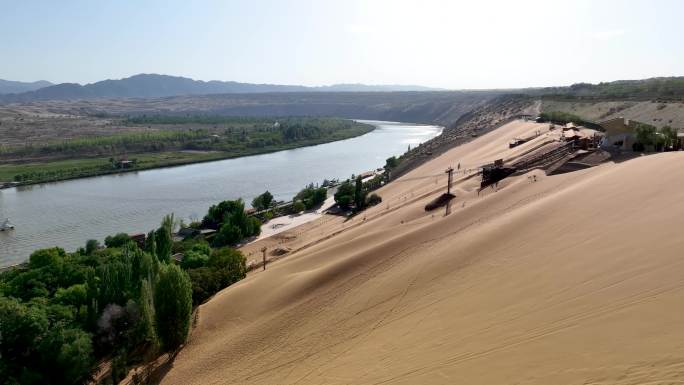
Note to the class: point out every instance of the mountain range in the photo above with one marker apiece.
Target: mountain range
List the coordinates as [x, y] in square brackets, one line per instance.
[154, 85]
[13, 87]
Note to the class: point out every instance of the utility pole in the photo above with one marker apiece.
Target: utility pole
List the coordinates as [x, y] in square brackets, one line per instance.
[449, 171]
[263, 254]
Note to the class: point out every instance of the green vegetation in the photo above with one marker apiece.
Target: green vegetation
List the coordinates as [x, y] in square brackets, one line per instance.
[227, 138]
[80, 168]
[659, 139]
[670, 88]
[263, 201]
[356, 196]
[344, 197]
[63, 312]
[173, 301]
[391, 162]
[232, 223]
[298, 207]
[310, 197]
[374, 199]
[223, 268]
[117, 240]
[560, 117]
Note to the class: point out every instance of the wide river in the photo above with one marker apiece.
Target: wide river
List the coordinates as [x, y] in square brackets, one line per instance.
[68, 213]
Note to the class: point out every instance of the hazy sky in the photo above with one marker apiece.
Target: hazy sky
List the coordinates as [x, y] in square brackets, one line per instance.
[451, 44]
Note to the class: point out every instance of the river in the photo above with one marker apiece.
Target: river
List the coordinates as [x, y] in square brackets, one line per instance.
[68, 213]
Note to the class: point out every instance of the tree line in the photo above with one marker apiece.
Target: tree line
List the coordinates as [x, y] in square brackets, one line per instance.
[262, 133]
[125, 302]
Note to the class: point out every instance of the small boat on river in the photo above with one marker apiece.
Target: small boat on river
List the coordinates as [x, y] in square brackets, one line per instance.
[6, 225]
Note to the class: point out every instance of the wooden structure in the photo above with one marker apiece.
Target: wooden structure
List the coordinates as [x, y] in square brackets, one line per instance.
[494, 172]
[139, 239]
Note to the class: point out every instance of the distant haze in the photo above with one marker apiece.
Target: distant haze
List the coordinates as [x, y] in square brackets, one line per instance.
[444, 44]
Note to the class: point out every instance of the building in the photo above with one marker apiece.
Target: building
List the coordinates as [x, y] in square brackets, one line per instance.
[620, 133]
[569, 126]
[185, 232]
[139, 239]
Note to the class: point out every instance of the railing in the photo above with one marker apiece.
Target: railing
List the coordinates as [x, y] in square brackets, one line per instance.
[543, 159]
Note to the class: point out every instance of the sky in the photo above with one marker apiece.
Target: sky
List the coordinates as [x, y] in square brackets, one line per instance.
[447, 44]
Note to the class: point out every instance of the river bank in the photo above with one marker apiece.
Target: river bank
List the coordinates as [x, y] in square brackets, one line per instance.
[69, 169]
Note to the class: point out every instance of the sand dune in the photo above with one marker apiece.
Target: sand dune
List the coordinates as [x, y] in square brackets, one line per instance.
[573, 279]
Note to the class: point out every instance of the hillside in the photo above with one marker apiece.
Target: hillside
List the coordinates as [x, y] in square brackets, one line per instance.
[12, 87]
[45, 121]
[154, 85]
[544, 282]
[655, 113]
[665, 88]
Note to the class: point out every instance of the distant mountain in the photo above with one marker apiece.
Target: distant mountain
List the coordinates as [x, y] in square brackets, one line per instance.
[372, 88]
[153, 85]
[12, 87]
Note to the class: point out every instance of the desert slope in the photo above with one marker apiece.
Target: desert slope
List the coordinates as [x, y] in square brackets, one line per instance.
[575, 278]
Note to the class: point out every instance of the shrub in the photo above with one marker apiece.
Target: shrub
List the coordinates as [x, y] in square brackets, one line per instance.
[46, 257]
[91, 246]
[345, 194]
[228, 235]
[224, 267]
[263, 201]
[231, 263]
[205, 283]
[298, 206]
[374, 199]
[230, 219]
[391, 163]
[117, 240]
[312, 196]
[193, 259]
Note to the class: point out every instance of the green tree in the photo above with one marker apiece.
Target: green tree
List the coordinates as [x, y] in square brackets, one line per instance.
[255, 225]
[298, 206]
[359, 195]
[169, 223]
[646, 134]
[193, 259]
[312, 196]
[229, 234]
[91, 246]
[67, 354]
[116, 282]
[374, 199]
[147, 329]
[173, 306]
[46, 257]
[117, 240]
[22, 328]
[164, 244]
[345, 194]
[263, 201]
[391, 163]
[74, 295]
[669, 136]
[231, 264]
[205, 283]
[151, 243]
